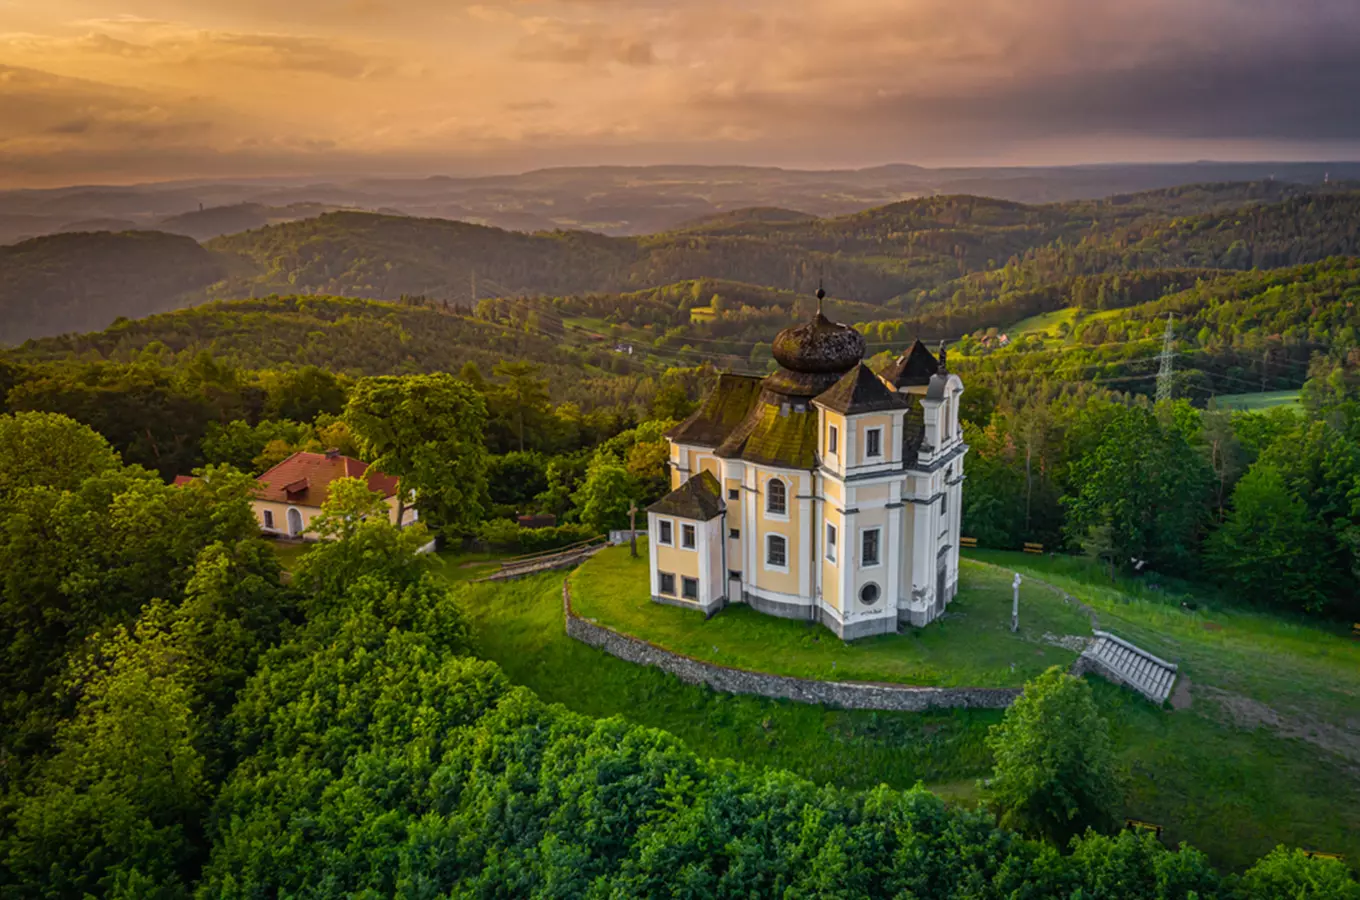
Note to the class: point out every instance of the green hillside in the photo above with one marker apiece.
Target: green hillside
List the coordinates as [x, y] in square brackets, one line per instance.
[83, 281]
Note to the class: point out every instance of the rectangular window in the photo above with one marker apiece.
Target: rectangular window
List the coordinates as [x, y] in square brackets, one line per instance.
[869, 547]
[268, 518]
[733, 533]
[664, 532]
[665, 583]
[687, 537]
[734, 493]
[776, 551]
[830, 542]
[873, 442]
[833, 440]
[691, 588]
[944, 500]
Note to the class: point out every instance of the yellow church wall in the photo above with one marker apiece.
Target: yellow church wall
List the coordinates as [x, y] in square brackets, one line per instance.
[675, 560]
[790, 527]
[863, 424]
[831, 571]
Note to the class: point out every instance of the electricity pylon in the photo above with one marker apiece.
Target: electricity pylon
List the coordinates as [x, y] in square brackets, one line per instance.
[1165, 373]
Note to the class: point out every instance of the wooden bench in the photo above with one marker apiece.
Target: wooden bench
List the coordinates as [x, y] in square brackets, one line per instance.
[1136, 825]
[972, 542]
[1318, 854]
[1033, 548]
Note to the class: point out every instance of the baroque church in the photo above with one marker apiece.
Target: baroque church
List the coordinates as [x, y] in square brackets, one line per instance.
[824, 491]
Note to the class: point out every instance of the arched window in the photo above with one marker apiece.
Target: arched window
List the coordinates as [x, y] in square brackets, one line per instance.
[777, 498]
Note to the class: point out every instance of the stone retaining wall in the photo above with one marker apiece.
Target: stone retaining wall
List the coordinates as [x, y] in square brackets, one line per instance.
[847, 695]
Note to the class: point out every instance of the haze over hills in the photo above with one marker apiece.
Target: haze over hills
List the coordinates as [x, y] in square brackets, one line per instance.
[979, 261]
[620, 200]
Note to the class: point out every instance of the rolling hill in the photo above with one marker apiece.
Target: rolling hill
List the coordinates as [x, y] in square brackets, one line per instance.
[84, 281]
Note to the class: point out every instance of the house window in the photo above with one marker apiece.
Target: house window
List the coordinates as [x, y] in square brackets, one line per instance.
[664, 532]
[777, 498]
[690, 586]
[269, 519]
[665, 583]
[869, 555]
[833, 439]
[734, 493]
[776, 551]
[734, 533]
[873, 442]
[868, 595]
[687, 537]
[830, 542]
[944, 497]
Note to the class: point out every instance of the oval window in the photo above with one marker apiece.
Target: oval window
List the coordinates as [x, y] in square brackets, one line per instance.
[868, 595]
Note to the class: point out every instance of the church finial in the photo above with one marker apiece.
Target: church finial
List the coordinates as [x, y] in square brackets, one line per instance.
[821, 295]
[944, 365]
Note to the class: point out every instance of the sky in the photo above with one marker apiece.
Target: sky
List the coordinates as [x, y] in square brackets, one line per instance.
[113, 91]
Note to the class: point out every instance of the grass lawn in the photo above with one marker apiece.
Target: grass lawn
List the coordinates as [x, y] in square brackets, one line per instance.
[1256, 401]
[972, 646]
[1226, 786]
[519, 625]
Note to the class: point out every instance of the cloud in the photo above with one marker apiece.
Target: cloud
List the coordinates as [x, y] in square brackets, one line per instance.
[582, 45]
[813, 82]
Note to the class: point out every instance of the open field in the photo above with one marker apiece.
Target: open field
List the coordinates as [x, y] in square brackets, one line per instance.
[1208, 772]
[971, 647]
[1044, 323]
[1256, 401]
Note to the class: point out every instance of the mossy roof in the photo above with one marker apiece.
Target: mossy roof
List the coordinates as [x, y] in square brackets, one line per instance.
[722, 411]
[699, 498]
[860, 391]
[774, 434]
[913, 367]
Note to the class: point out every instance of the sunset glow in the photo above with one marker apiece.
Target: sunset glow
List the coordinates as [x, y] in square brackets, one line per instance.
[155, 89]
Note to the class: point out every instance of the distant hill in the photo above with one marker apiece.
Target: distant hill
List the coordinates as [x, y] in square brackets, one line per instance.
[83, 281]
[205, 224]
[739, 220]
[344, 335]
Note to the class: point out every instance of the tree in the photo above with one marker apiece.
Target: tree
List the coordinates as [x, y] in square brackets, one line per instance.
[50, 450]
[428, 431]
[523, 394]
[1286, 874]
[349, 503]
[1055, 773]
[1270, 546]
[303, 394]
[115, 806]
[607, 493]
[1143, 486]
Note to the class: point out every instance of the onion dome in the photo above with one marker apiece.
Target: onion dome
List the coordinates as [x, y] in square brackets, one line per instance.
[819, 347]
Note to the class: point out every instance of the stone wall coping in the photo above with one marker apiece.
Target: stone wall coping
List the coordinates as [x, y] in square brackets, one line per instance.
[844, 694]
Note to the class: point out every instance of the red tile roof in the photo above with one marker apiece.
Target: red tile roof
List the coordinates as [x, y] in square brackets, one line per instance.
[303, 478]
[181, 480]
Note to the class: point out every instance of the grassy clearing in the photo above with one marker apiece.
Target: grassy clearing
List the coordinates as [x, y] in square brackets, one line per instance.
[519, 625]
[1295, 665]
[1045, 324]
[972, 646]
[1257, 401]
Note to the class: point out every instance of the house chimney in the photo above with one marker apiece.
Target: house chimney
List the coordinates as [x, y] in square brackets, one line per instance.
[333, 453]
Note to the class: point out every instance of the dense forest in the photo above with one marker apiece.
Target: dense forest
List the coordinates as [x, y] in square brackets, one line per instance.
[181, 717]
[989, 262]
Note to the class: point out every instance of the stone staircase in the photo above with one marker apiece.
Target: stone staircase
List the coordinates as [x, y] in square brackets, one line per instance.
[1124, 663]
